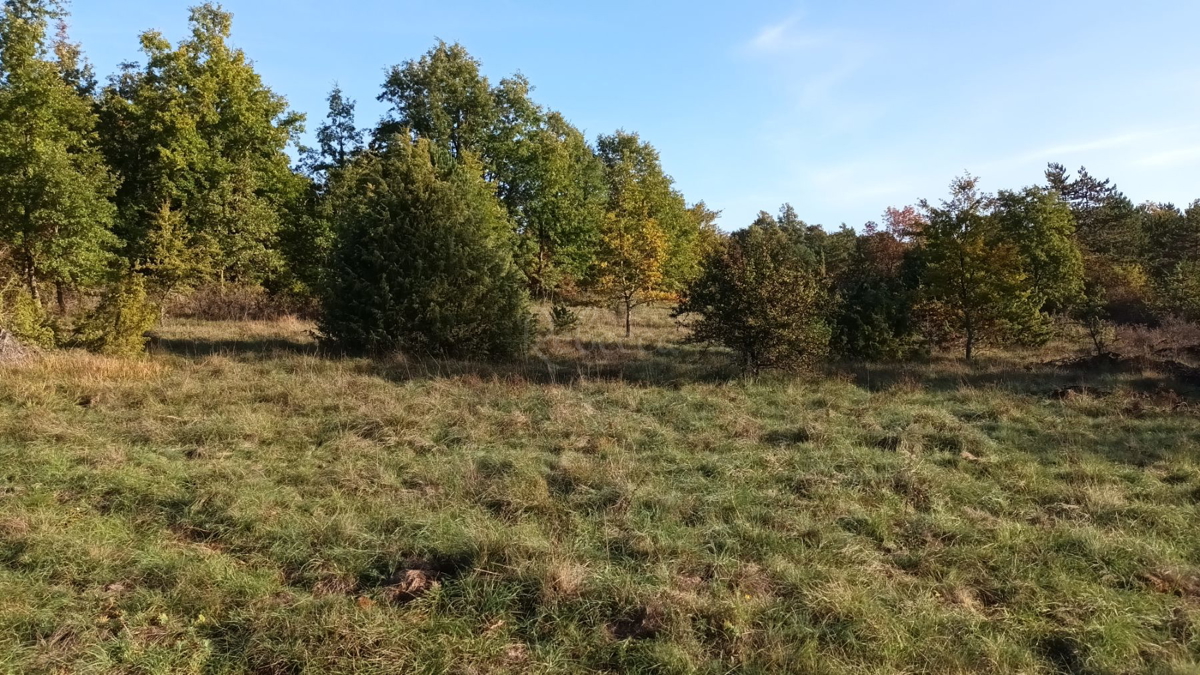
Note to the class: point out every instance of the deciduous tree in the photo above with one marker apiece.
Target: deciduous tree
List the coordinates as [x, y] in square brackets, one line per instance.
[54, 186]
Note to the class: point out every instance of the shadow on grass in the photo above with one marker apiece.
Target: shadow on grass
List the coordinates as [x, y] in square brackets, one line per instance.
[565, 363]
[1031, 379]
[673, 370]
[245, 349]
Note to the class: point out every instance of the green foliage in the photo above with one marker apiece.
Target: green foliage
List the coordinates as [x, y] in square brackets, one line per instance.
[975, 270]
[1091, 312]
[759, 298]
[1172, 238]
[1107, 222]
[1040, 224]
[443, 98]
[874, 315]
[1181, 291]
[545, 173]
[563, 319]
[25, 318]
[119, 323]
[638, 189]
[196, 129]
[423, 261]
[554, 188]
[54, 187]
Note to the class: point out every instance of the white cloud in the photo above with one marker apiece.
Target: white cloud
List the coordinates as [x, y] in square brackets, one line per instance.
[786, 36]
[1171, 157]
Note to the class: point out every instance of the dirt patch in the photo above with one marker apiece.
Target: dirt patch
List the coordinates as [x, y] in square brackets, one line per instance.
[1172, 582]
[642, 623]
[417, 577]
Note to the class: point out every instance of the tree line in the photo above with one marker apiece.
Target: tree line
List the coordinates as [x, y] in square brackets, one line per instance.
[434, 229]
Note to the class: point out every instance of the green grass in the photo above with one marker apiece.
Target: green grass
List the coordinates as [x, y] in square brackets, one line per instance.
[239, 503]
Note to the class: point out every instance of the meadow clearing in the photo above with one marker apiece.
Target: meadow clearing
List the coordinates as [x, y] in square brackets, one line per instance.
[238, 502]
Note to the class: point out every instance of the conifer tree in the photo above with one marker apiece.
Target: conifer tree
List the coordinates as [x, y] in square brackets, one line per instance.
[423, 261]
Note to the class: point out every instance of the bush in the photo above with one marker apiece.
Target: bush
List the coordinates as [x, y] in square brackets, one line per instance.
[1180, 294]
[26, 319]
[238, 303]
[118, 325]
[562, 319]
[760, 298]
[423, 261]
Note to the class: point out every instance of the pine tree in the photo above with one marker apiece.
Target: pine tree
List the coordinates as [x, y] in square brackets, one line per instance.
[54, 186]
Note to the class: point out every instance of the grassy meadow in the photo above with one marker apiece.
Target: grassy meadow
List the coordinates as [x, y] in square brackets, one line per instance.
[237, 502]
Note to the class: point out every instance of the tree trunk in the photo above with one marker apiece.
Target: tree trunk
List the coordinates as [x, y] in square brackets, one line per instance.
[970, 343]
[60, 294]
[31, 282]
[628, 318]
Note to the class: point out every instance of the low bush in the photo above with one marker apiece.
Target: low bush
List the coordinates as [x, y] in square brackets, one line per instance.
[119, 323]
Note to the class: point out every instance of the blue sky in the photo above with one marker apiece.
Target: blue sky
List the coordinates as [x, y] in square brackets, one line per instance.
[841, 108]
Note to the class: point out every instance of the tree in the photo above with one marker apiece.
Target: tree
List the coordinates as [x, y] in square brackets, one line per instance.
[758, 297]
[54, 186]
[710, 238]
[1172, 237]
[338, 139]
[423, 261]
[117, 326]
[553, 186]
[1107, 223]
[632, 256]
[637, 184]
[546, 174]
[972, 270]
[197, 129]
[1040, 224]
[306, 230]
[873, 316]
[441, 97]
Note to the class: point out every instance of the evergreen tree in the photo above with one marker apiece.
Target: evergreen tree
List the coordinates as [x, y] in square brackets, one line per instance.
[1107, 222]
[54, 186]
[423, 261]
[339, 140]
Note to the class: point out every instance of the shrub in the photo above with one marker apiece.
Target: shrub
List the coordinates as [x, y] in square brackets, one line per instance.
[1180, 294]
[874, 317]
[26, 319]
[423, 261]
[118, 325]
[760, 298]
[238, 302]
[562, 319]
